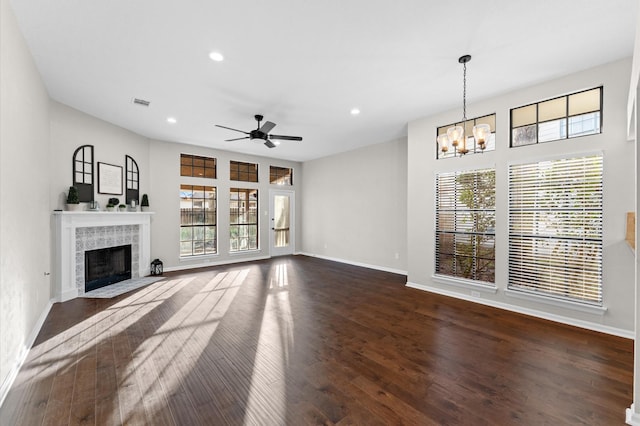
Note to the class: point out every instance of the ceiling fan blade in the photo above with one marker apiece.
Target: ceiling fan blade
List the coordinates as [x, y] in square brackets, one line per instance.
[230, 128]
[236, 139]
[267, 126]
[269, 144]
[286, 138]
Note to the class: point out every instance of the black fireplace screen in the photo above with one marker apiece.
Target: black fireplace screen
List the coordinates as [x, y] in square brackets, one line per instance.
[106, 266]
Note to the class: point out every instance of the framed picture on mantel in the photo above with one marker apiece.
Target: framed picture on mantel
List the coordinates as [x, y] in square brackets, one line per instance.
[109, 179]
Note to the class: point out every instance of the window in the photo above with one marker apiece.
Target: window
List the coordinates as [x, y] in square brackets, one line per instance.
[565, 117]
[245, 172]
[555, 228]
[465, 224]
[83, 172]
[243, 219]
[193, 165]
[451, 151]
[133, 180]
[198, 234]
[280, 175]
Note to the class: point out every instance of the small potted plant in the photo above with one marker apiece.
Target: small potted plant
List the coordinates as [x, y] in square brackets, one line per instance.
[73, 201]
[122, 207]
[112, 204]
[144, 205]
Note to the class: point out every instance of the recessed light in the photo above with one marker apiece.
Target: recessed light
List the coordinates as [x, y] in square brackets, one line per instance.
[355, 111]
[216, 56]
[172, 120]
[276, 143]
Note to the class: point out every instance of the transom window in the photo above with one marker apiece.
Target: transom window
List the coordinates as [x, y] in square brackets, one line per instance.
[471, 144]
[83, 172]
[196, 166]
[243, 219]
[245, 172]
[555, 228]
[465, 224]
[198, 235]
[569, 116]
[280, 175]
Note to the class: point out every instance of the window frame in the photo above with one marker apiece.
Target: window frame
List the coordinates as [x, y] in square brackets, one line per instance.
[208, 223]
[459, 212]
[282, 176]
[242, 221]
[528, 265]
[194, 163]
[243, 169]
[567, 117]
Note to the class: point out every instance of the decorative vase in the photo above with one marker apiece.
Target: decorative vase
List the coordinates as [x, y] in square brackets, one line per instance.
[74, 207]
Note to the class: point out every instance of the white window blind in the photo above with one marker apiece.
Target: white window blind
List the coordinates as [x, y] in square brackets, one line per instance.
[555, 228]
[465, 224]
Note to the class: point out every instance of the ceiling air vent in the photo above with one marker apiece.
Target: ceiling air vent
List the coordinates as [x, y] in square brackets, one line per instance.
[141, 102]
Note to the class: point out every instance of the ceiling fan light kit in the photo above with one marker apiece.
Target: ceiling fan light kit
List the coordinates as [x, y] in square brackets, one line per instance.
[261, 133]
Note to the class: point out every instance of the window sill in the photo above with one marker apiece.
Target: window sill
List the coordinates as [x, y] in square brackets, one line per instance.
[198, 257]
[567, 304]
[465, 283]
[241, 252]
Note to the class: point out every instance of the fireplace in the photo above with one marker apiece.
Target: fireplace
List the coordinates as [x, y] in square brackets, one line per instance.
[106, 266]
[78, 232]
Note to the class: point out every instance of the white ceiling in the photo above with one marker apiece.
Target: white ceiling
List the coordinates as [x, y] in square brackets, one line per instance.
[304, 65]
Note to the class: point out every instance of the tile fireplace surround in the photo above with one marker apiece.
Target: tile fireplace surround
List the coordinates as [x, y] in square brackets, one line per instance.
[75, 232]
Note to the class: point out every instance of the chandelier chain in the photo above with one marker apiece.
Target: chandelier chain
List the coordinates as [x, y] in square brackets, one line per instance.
[464, 92]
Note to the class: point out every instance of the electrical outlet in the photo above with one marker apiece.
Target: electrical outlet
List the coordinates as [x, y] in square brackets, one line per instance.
[397, 256]
[475, 293]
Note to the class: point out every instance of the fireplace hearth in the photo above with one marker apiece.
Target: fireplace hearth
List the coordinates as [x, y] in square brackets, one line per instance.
[106, 266]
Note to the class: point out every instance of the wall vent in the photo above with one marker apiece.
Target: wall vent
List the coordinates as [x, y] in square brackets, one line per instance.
[141, 102]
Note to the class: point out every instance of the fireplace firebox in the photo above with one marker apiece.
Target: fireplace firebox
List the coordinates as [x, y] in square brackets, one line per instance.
[106, 266]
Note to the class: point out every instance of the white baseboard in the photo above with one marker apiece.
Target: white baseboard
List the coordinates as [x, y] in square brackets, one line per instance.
[350, 262]
[24, 351]
[632, 418]
[531, 312]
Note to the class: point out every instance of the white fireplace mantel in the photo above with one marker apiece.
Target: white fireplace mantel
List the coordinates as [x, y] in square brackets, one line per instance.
[65, 225]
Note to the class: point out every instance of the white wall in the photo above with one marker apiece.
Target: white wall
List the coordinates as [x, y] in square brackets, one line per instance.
[165, 202]
[24, 198]
[354, 206]
[619, 190]
[71, 129]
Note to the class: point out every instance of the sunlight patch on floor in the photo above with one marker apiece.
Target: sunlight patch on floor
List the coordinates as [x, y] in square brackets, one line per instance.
[176, 346]
[267, 392]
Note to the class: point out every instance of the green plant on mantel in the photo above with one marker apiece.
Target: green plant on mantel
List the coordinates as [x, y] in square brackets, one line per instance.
[72, 196]
[113, 202]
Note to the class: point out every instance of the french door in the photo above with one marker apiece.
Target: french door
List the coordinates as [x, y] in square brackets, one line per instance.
[282, 222]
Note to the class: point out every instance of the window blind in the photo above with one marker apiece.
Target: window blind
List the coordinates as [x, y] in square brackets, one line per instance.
[465, 224]
[555, 228]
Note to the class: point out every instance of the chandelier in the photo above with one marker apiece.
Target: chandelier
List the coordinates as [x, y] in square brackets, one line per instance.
[455, 135]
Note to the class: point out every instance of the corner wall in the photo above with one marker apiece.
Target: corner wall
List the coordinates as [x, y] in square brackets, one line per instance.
[355, 206]
[24, 199]
[618, 260]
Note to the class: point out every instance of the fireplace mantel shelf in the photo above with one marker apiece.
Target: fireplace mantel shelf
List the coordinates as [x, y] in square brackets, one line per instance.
[64, 227]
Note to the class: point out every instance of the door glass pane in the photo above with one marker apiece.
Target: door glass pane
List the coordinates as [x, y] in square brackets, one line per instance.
[281, 220]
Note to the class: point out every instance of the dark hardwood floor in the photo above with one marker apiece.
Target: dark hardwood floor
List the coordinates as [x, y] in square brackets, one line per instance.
[299, 340]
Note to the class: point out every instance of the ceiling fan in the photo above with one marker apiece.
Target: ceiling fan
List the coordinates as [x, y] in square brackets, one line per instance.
[262, 133]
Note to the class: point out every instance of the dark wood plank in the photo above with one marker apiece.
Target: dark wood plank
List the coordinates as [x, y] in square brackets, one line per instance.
[299, 340]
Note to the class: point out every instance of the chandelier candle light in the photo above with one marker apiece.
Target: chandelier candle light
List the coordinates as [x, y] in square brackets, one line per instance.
[455, 135]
